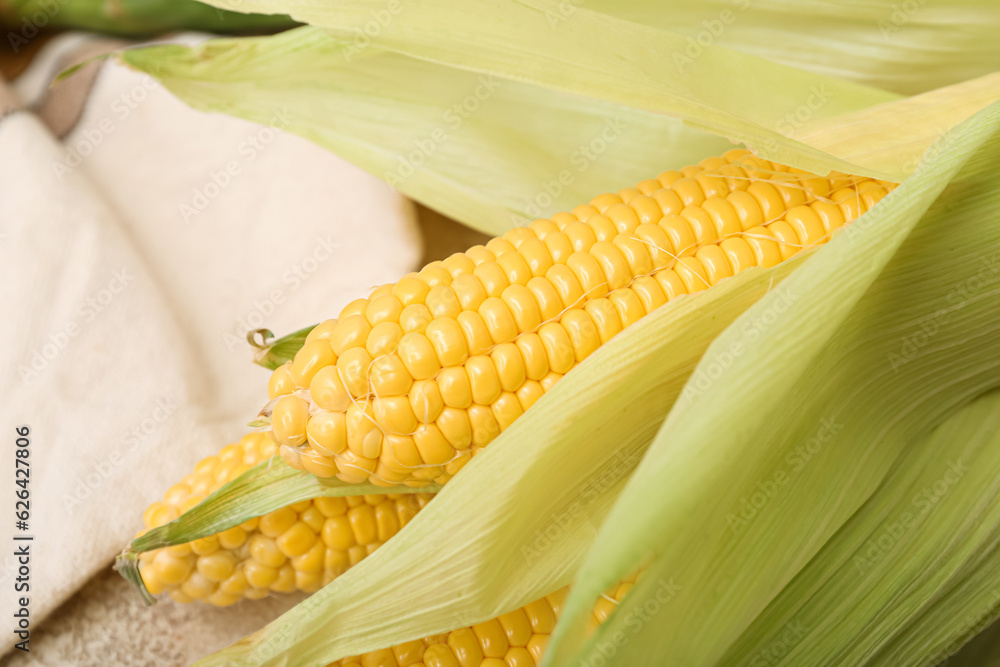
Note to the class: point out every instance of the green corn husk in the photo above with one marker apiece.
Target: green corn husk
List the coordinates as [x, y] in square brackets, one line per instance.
[527, 150]
[832, 333]
[130, 18]
[905, 47]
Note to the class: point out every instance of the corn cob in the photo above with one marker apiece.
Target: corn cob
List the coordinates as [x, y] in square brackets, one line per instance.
[299, 547]
[515, 639]
[407, 384]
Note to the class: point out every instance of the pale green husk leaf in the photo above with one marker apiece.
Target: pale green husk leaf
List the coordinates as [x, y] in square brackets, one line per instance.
[879, 337]
[490, 152]
[914, 573]
[494, 151]
[604, 58]
[906, 46]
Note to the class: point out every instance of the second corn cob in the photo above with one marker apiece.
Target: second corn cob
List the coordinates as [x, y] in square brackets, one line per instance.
[299, 547]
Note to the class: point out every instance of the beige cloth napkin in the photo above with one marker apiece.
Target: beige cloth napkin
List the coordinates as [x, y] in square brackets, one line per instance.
[139, 240]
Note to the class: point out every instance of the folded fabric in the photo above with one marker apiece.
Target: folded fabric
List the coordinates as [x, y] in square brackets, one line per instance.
[139, 242]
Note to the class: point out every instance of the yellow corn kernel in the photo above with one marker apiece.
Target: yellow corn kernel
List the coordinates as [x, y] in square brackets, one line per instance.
[288, 420]
[418, 356]
[217, 566]
[281, 382]
[297, 540]
[356, 307]
[285, 581]
[352, 367]
[498, 320]
[323, 330]
[337, 533]
[382, 308]
[327, 432]
[492, 638]
[442, 301]
[483, 379]
[350, 332]
[465, 645]
[205, 546]
[522, 307]
[432, 445]
[426, 401]
[535, 255]
[389, 376]
[448, 342]
[197, 586]
[308, 360]
[321, 466]
[529, 393]
[400, 453]
[455, 427]
[353, 468]
[383, 338]
[514, 267]
[311, 560]
[171, 570]
[455, 388]
[235, 584]
[264, 551]
[536, 647]
[275, 523]
[477, 335]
